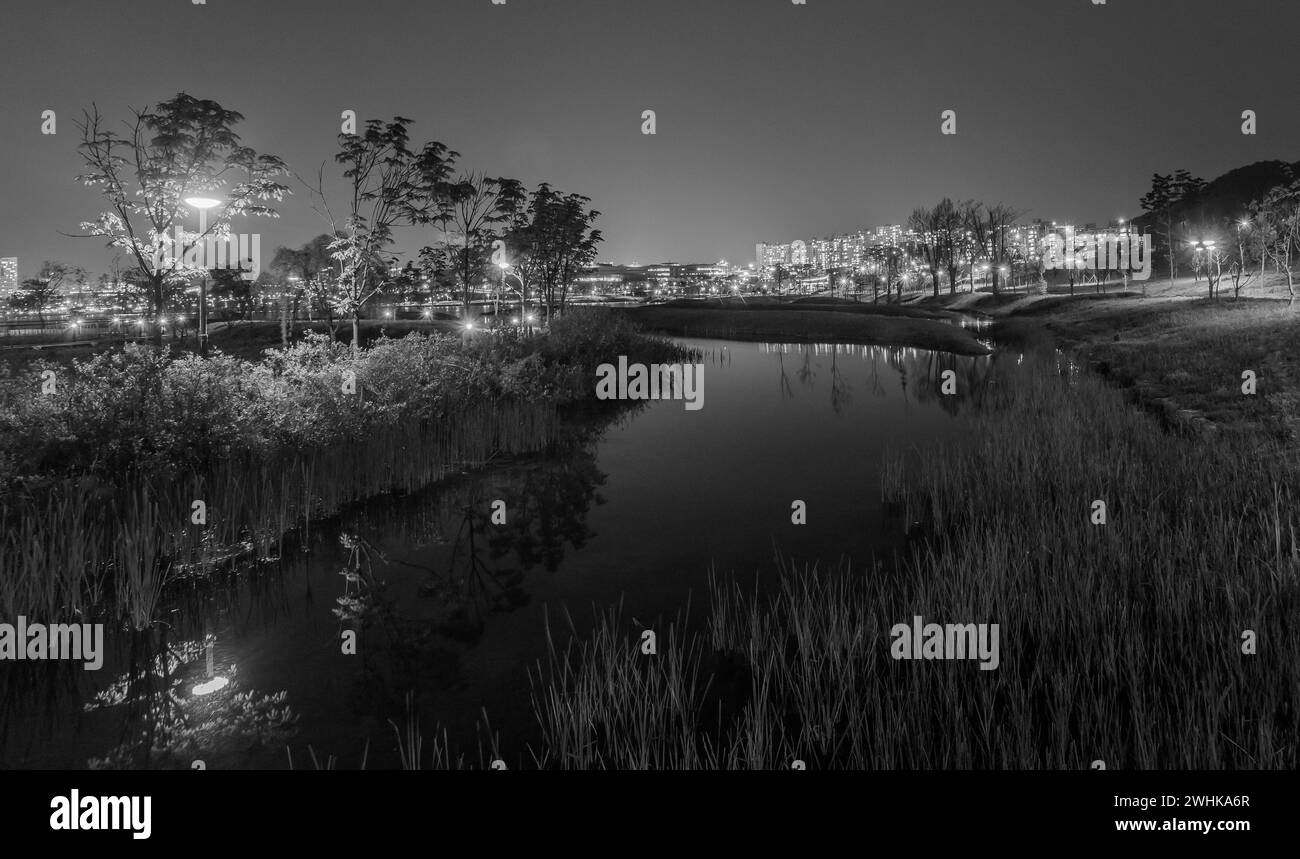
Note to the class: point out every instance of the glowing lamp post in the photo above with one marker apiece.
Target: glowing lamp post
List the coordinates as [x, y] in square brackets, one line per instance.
[203, 204]
[496, 309]
[523, 302]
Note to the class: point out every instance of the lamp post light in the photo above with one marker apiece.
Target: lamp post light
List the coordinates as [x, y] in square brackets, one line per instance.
[203, 204]
[523, 301]
[501, 285]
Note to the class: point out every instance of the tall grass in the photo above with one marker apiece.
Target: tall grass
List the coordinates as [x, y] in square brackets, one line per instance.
[1119, 642]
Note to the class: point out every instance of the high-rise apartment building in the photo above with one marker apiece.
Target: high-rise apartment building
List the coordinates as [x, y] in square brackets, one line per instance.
[8, 278]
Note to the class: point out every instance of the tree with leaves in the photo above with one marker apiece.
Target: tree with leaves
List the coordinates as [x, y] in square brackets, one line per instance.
[385, 182]
[477, 206]
[229, 285]
[307, 268]
[184, 147]
[578, 241]
[1170, 195]
[552, 239]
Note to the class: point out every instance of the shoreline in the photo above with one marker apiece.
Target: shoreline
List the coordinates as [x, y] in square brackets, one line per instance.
[820, 325]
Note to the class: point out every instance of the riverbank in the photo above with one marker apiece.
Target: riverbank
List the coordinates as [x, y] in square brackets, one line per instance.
[811, 321]
[1178, 354]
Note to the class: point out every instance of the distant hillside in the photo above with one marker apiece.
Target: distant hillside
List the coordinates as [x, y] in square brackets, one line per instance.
[1229, 195]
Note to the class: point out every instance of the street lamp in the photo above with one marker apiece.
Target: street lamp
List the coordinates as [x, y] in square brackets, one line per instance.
[523, 301]
[203, 204]
[496, 305]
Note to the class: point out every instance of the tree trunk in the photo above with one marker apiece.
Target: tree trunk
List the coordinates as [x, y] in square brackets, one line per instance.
[157, 335]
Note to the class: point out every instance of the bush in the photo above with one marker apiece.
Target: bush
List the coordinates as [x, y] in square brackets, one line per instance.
[141, 409]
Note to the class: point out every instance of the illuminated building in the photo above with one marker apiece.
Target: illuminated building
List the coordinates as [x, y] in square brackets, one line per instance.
[8, 277]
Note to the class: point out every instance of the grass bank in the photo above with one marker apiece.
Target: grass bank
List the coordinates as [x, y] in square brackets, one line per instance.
[1179, 354]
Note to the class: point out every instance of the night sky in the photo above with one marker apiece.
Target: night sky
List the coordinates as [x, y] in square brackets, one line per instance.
[775, 121]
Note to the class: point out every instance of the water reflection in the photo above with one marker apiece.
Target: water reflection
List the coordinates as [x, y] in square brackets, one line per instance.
[162, 725]
[920, 372]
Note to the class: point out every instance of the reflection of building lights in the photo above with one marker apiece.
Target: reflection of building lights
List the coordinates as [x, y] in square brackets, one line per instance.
[216, 684]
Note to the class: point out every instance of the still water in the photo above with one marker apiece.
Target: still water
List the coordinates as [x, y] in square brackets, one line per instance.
[453, 609]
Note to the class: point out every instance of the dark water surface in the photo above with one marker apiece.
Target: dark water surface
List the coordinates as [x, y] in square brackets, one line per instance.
[638, 510]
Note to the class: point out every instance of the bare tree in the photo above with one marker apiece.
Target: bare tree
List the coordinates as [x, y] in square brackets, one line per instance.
[1278, 215]
[927, 225]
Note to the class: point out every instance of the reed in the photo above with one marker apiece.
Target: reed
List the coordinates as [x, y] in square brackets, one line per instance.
[1120, 642]
[64, 543]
